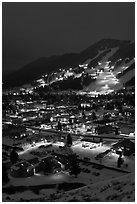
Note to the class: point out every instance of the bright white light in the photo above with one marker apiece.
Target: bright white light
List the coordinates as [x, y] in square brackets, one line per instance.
[51, 119]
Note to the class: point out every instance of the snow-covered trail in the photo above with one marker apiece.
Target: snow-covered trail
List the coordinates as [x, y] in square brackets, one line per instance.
[106, 82]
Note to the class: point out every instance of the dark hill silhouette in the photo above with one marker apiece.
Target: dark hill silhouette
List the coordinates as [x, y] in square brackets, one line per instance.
[45, 65]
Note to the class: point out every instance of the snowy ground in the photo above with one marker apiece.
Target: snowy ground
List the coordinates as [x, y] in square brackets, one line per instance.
[92, 179]
[107, 81]
[91, 151]
[39, 179]
[113, 189]
[121, 189]
[94, 176]
[109, 160]
[86, 178]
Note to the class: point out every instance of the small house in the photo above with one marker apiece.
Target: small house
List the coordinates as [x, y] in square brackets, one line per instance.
[49, 165]
[22, 170]
[125, 146]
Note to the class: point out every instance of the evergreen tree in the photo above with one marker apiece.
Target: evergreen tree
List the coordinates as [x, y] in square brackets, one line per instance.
[94, 117]
[116, 131]
[74, 168]
[70, 121]
[119, 161]
[46, 166]
[69, 140]
[5, 178]
[14, 157]
[83, 114]
[59, 126]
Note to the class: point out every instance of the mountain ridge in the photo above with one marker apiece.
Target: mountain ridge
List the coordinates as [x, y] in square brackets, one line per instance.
[46, 65]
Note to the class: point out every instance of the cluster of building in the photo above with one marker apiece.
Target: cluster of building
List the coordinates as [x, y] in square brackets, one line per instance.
[30, 118]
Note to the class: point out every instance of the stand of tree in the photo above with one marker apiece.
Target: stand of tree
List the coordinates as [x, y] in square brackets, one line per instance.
[69, 140]
[74, 168]
[5, 178]
[14, 157]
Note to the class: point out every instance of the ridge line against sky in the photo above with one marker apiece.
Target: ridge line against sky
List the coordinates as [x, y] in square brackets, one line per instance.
[33, 30]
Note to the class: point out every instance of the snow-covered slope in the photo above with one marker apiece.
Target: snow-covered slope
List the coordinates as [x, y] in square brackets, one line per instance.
[102, 73]
[106, 75]
[98, 69]
[121, 189]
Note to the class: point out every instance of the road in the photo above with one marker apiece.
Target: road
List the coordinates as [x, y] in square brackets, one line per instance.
[103, 136]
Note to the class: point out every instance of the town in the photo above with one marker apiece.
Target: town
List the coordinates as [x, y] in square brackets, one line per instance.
[68, 101]
[45, 134]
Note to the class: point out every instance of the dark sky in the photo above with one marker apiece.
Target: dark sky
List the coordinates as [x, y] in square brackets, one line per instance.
[33, 30]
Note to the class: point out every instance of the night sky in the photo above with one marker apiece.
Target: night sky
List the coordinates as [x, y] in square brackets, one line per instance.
[33, 30]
